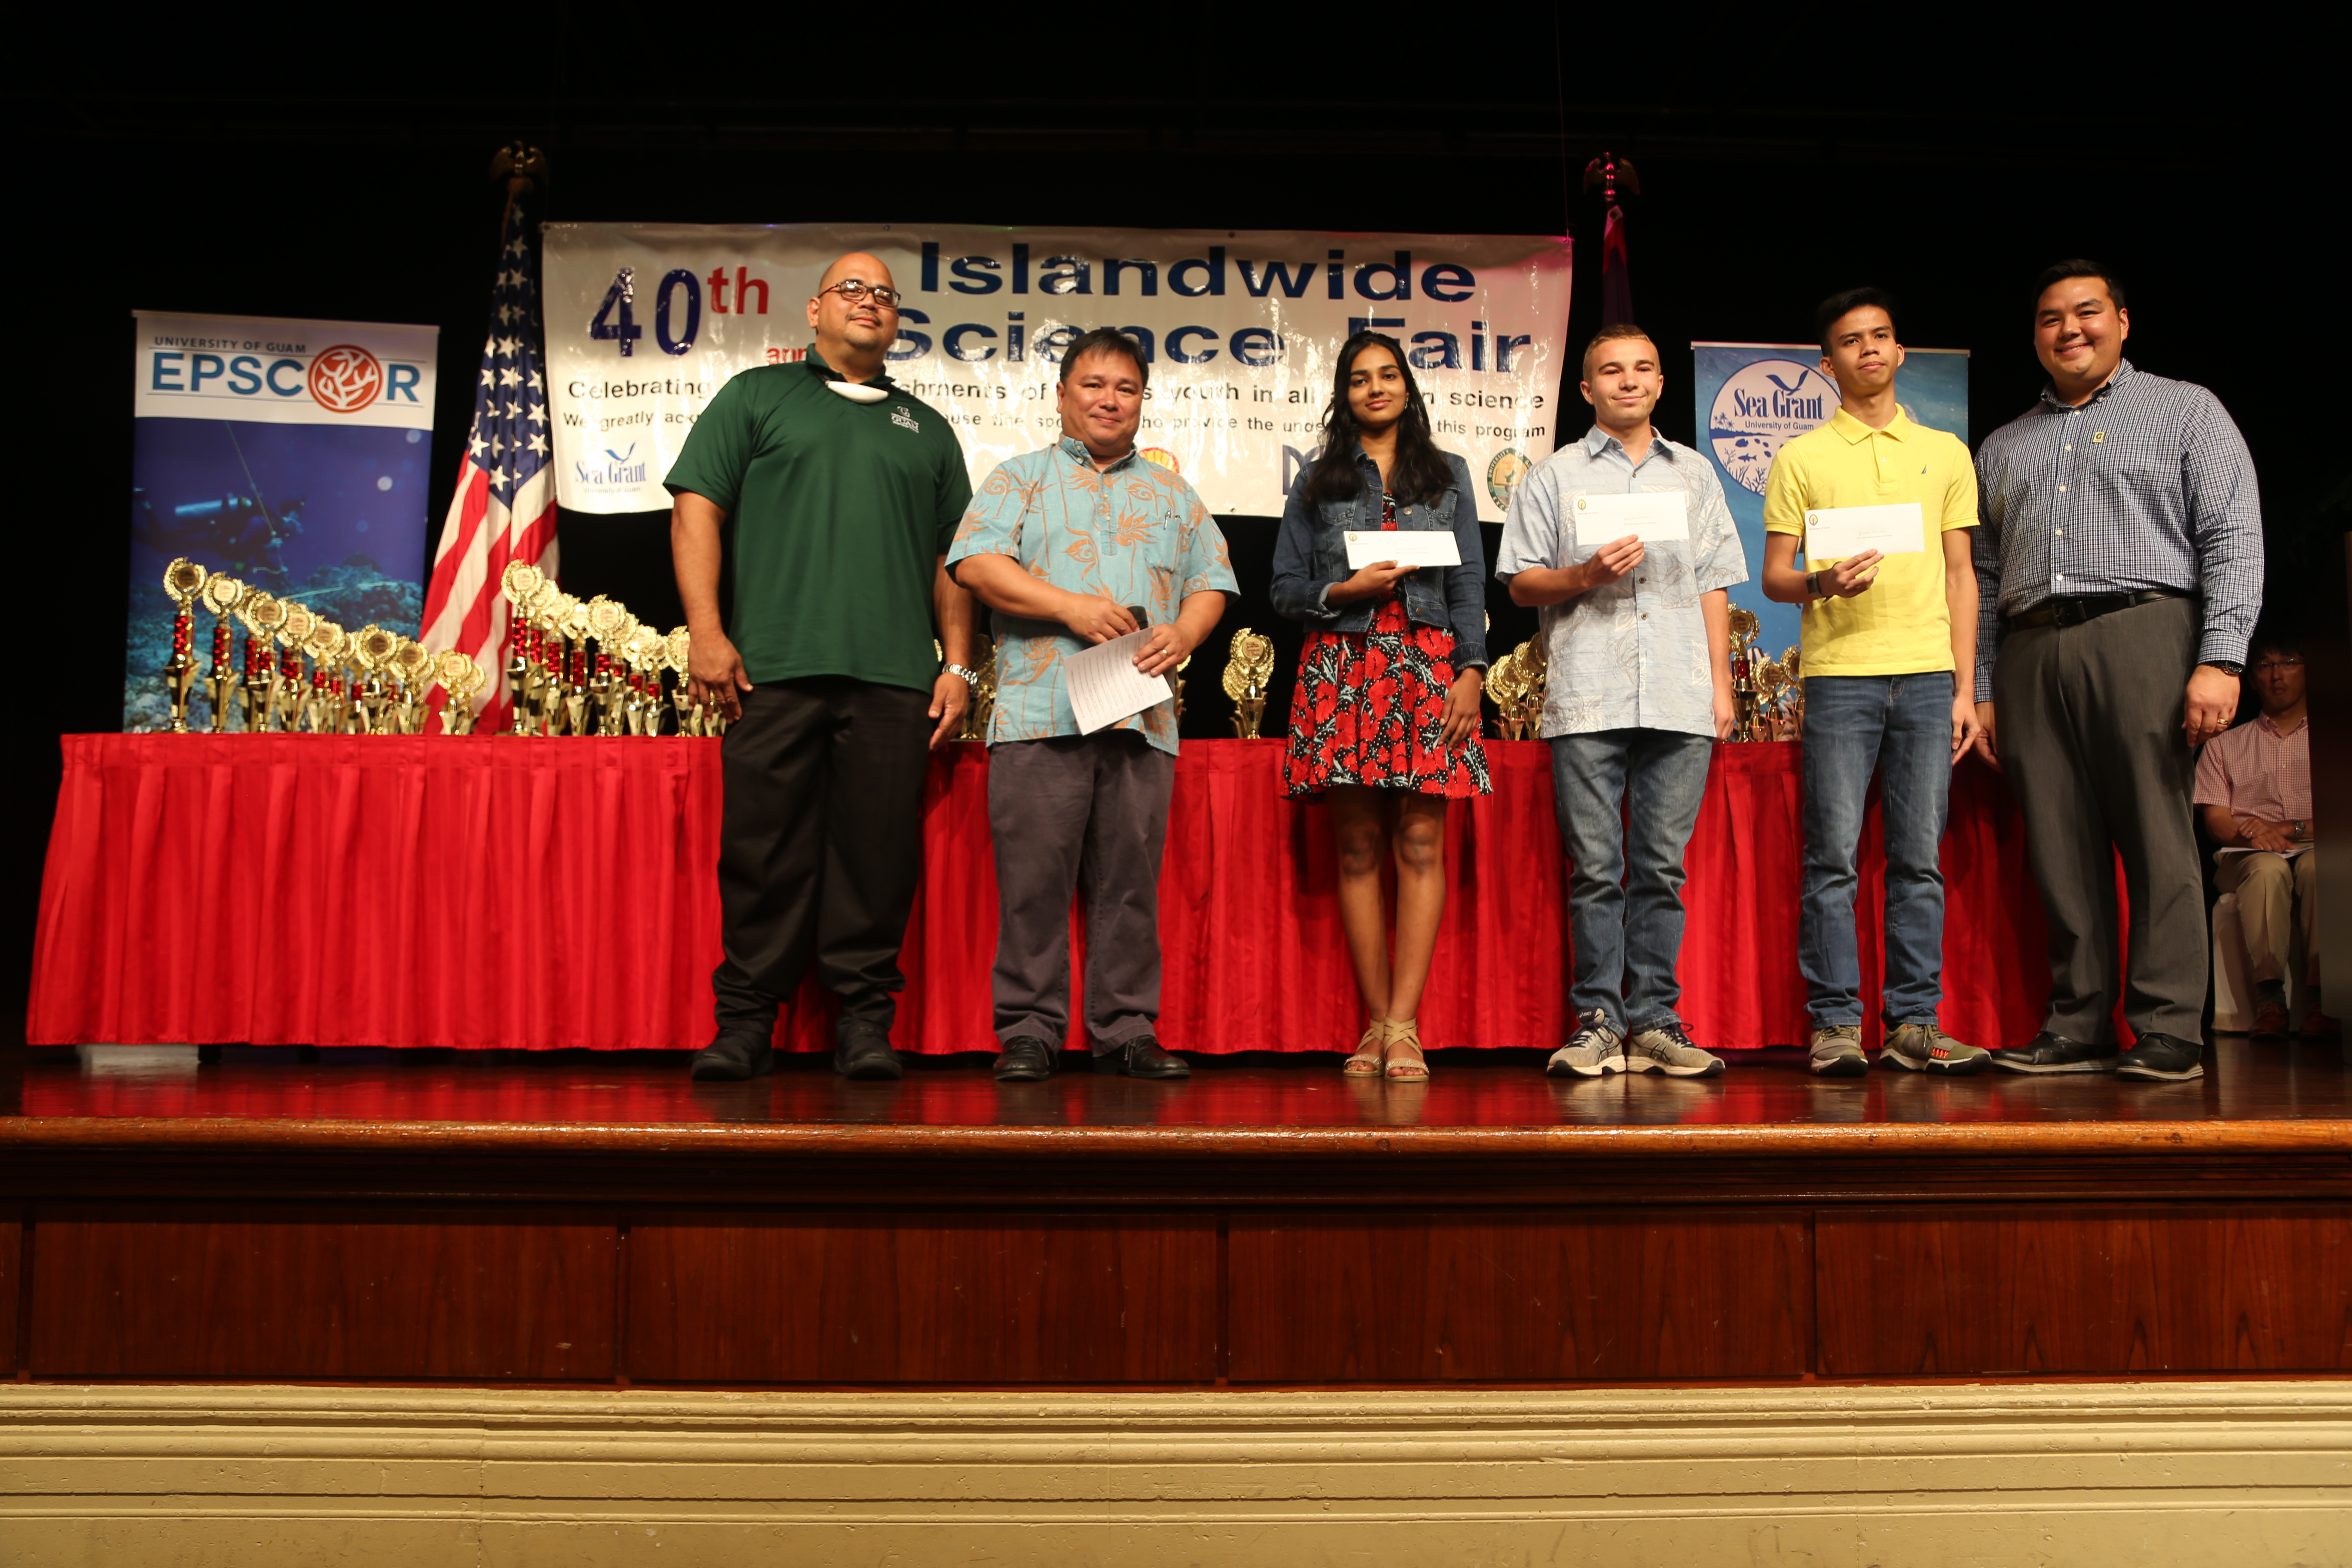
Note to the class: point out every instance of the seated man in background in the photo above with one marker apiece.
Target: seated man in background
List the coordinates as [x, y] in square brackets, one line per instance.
[2253, 788]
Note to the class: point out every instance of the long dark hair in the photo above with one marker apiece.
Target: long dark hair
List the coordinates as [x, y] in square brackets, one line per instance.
[1419, 472]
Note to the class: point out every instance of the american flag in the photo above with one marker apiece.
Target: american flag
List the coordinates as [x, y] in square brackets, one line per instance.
[505, 506]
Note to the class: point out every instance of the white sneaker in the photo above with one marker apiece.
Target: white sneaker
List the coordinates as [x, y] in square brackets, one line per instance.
[1668, 1050]
[1595, 1048]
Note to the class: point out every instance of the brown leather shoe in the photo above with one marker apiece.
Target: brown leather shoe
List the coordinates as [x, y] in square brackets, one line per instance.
[2318, 1026]
[2270, 1020]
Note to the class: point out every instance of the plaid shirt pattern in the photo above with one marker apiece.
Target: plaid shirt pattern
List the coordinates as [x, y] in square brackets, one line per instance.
[2149, 485]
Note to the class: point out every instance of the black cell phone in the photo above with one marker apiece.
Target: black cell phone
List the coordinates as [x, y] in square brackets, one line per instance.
[1143, 616]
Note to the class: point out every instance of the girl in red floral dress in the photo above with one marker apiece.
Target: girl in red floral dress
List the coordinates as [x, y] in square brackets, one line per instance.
[1384, 720]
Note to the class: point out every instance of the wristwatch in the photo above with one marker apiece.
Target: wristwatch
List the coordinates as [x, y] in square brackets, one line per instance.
[971, 677]
[1813, 584]
[2226, 665]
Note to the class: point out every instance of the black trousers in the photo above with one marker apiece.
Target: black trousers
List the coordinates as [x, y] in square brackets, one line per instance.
[819, 846]
[2090, 732]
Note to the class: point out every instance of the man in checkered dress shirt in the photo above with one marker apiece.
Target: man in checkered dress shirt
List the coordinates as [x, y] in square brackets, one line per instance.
[2120, 565]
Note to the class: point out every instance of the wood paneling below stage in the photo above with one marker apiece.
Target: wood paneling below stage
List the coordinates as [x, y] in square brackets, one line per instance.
[865, 1298]
[1156, 1298]
[1562, 1297]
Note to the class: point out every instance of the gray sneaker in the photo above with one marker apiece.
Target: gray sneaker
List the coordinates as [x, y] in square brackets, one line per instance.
[1668, 1050]
[1595, 1048]
[1923, 1047]
[1837, 1052]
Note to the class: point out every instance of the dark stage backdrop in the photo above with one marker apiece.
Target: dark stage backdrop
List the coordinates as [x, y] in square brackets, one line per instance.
[200, 173]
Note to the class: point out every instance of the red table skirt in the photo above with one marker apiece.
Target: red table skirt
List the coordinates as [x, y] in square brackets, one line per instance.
[489, 891]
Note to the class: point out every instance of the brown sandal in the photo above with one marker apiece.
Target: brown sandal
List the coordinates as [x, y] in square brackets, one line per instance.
[1366, 1062]
[1403, 1035]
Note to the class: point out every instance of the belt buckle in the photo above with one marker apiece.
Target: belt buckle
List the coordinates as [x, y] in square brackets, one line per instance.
[2067, 613]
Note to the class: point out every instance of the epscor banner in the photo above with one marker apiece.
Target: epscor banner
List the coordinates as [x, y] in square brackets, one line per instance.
[646, 322]
[290, 454]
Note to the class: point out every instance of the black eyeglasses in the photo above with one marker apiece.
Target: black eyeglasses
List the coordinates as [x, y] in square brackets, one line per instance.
[855, 289]
[2289, 662]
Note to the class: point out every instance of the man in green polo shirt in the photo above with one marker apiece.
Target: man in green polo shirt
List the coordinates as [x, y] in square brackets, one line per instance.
[845, 493]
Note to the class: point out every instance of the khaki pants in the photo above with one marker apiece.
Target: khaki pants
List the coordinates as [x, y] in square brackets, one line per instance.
[2268, 887]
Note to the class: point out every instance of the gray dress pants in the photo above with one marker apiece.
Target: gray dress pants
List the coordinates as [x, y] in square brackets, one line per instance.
[1078, 811]
[2090, 734]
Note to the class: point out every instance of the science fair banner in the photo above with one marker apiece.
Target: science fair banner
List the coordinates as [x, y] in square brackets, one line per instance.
[1752, 399]
[646, 322]
[290, 454]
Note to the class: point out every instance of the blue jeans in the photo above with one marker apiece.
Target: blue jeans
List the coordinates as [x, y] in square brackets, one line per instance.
[1627, 795]
[1900, 725]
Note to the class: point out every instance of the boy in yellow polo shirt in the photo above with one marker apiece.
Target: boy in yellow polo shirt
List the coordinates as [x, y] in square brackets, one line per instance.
[1889, 639]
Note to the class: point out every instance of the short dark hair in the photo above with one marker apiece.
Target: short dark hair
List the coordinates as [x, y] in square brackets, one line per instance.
[2078, 266]
[1829, 311]
[1610, 334]
[1105, 340]
[2272, 636]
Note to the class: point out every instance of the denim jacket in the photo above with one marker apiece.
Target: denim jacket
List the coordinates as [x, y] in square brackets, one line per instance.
[1310, 558]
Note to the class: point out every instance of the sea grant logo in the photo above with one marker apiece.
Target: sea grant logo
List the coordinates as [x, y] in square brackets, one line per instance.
[609, 469]
[1760, 409]
[903, 419]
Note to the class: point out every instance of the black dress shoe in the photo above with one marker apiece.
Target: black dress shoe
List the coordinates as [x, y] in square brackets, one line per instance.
[1142, 1057]
[2056, 1053]
[2162, 1058]
[732, 1058]
[1025, 1060]
[862, 1053]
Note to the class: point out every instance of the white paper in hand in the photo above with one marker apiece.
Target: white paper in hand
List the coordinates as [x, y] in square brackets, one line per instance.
[1656, 515]
[1838, 532]
[1106, 687]
[1414, 547]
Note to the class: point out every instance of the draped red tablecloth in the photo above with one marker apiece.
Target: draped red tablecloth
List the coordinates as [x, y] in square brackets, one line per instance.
[487, 891]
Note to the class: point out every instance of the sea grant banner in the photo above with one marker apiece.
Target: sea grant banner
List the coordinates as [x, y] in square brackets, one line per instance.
[291, 455]
[1753, 399]
[646, 322]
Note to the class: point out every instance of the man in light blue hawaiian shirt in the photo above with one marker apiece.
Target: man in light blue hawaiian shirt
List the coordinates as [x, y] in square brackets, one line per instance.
[1063, 544]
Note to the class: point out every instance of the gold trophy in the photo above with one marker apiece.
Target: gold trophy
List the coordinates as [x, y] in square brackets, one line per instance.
[183, 580]
[1744, 665]
[413, 663]
[1247, 676]
[1792, 660]
[220, 595]
[292, 637]
[571, 618]
[675, 648]
[372, 650]
[523, 584]
[328, 711]
[285, 706]
[457, 674]
[1516, 684]
[263, 614]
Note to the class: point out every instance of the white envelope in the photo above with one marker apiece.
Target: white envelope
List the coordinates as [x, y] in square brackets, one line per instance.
[1405, 546]
[1835, 532]
[1650, 517]
[1106, 687]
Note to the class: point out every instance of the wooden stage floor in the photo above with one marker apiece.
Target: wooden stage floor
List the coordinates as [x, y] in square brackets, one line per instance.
[575, 1220]
[2246, 1081]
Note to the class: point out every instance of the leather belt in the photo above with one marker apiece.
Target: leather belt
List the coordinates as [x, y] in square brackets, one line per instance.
[2074, 611]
